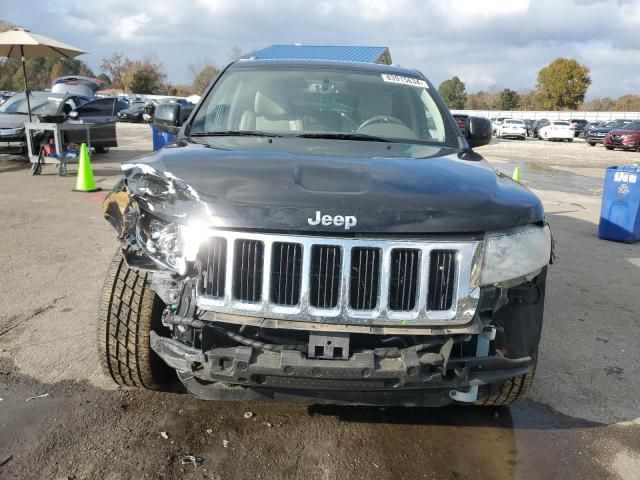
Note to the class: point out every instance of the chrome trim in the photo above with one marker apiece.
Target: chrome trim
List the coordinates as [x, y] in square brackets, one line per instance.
[466, 293]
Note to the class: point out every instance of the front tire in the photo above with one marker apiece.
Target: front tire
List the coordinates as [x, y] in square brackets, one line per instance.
[129, 311]
[608, 148]
[101, 149]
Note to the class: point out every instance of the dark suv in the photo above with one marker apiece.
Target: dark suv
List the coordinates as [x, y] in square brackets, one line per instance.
[578, 124]
[324, 231]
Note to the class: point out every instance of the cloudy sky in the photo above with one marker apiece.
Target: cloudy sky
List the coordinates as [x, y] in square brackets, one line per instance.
[486, 43]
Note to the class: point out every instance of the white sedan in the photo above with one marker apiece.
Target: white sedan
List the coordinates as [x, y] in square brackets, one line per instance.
[557, 130]
[512, 128]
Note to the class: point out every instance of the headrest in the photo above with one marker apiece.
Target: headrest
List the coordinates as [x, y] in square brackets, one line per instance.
[267, 104]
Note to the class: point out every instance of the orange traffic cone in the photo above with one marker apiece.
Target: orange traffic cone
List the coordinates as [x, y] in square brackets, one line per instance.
[85, 182]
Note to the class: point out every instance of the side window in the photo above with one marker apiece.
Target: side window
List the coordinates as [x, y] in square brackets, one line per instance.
[97, 108]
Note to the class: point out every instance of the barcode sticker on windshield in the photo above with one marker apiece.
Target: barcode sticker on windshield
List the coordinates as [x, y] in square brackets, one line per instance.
[414, 82]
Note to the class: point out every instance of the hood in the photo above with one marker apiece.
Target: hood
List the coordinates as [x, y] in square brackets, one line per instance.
[624, 132]
[291, 184]
[11, 120]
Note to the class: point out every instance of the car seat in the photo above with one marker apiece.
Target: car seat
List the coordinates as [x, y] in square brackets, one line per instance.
[272, 112]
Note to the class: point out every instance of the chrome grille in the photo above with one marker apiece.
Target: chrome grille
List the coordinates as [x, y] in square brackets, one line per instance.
[339, 280]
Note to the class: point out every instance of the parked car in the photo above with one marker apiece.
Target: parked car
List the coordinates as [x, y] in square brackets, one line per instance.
[556, 130]
[529, 125]
[4, 96]
[324, 230]
[512, 128]
[578, 125]
[132, 114]
[625, 138]
[543, 122]
[461, 120]
[497, 122]
[596, 135]
[102, 112]
[14, 113]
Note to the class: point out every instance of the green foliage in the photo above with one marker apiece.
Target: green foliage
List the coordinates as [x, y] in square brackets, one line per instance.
[507, 99]
[202, 77]
[627, 103]
[453, 93]
[40, 72]
[562, 85]
[144, 76]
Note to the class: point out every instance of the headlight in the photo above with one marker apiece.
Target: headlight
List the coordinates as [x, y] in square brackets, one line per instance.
[170, 244]
[515, 254]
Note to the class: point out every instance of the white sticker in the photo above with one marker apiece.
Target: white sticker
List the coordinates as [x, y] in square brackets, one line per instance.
[414, 82]
[625, 177]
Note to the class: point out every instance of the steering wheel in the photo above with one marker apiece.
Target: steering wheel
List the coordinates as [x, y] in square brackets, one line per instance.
[380, 119]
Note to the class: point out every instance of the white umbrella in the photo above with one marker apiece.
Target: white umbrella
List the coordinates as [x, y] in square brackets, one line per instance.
[24, 44]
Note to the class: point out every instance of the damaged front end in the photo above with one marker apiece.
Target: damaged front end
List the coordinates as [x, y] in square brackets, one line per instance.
[354, 320]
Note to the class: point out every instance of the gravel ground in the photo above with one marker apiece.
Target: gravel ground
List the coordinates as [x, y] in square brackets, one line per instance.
[581, 422]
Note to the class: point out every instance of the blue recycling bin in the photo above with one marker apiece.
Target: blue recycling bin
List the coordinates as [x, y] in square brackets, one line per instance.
[620, 212]
[160, 139]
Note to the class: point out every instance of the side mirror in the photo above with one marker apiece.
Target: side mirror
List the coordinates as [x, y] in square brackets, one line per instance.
[167, 118]
[478, 131]
[74, 115]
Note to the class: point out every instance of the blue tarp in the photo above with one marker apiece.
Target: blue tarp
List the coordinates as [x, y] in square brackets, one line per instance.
[324, 52]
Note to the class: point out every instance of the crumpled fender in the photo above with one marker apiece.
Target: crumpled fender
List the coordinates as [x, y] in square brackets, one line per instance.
[121, 211]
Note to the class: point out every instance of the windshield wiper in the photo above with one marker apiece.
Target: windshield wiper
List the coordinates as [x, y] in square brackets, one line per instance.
[235, 133]
[363, 137]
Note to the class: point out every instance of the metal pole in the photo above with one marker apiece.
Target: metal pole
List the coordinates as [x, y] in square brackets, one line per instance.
[26, 87]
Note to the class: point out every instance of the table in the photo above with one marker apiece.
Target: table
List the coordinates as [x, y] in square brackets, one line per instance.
[60, 158]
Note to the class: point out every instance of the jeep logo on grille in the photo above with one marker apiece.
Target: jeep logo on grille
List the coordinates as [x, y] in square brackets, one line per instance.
[347, 221]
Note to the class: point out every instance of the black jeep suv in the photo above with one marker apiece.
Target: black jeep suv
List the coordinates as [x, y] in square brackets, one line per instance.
[324, 231]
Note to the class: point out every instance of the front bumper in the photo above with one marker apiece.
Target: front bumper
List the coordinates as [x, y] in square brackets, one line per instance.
[244, 373]
[595, 139]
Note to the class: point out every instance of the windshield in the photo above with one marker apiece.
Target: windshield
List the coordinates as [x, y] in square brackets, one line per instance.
[319, 102]
[514, 122]
[632, 126]
[39, 105]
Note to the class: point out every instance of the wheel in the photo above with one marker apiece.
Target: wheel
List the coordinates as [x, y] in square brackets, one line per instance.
[510, 392]
[129, 311]
[593, 144]
[608, 147]
[570, 140]
[101, 149]
[519, 328]
[62, 170]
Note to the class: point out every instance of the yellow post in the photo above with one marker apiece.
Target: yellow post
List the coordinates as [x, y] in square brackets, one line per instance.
[85, 182]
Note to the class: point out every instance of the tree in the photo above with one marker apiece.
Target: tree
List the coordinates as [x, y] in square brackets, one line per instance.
[605, 104]
[480, 100]
[507, 99]
[115, 67]
[453, 93]
[106, 81]
[627, 103]
[144, 76]
[202, 75]
[562, 85]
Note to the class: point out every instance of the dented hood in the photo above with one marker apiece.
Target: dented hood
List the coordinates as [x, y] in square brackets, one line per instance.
[287, 184]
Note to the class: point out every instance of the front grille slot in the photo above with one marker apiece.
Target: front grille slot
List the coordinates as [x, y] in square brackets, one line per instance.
[247, 270]
[403, 279]
[442, 272]
[365, 278]
[215, 267]
[286, 273]
[326, 268]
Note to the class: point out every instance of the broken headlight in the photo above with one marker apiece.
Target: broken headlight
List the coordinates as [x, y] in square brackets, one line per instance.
[169, 244]
[515, 254]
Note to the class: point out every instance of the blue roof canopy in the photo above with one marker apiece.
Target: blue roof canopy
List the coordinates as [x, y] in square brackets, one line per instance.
[323, 52]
